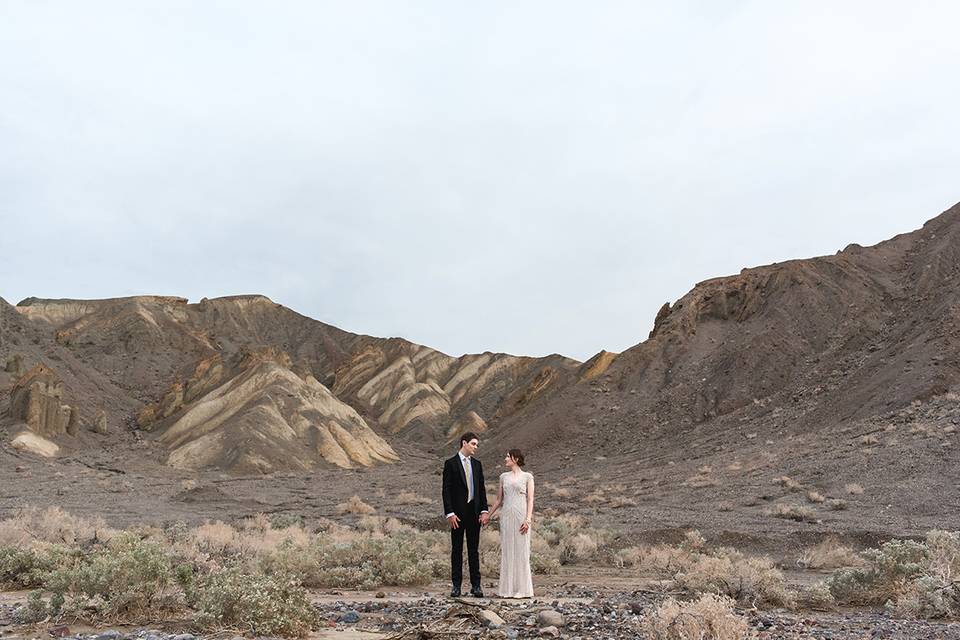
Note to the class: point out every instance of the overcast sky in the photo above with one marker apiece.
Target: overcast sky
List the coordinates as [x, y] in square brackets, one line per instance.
[528, 177]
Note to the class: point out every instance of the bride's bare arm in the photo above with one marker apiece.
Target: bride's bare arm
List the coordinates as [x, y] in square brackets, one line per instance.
[526, 523]
[496, 505]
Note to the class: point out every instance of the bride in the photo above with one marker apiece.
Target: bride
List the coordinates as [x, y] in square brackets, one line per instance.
[515, 496]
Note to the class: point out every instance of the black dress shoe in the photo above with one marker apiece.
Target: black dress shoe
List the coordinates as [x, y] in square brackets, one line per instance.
[476, 592]
[455, 592]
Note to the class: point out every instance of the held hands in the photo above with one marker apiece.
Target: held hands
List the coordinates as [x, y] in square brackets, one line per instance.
[525, 527]
[484, 519]
[454, 521]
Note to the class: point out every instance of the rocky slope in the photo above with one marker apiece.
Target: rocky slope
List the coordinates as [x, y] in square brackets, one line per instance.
[213, 381]
[778, 367]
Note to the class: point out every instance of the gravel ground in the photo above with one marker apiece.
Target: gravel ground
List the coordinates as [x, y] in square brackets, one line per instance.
[574, 614]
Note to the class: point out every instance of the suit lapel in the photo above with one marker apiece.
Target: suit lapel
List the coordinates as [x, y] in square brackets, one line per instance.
[463, 474]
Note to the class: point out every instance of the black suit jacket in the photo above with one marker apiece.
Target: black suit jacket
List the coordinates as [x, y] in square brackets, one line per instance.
[455, 489]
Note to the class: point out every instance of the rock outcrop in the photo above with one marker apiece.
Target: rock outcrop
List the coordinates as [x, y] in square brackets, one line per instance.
[265, 418]
[36, 400]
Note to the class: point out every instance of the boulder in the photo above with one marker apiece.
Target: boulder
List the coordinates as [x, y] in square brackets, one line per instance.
[100, 422]
[32, 443]
[550, 618]
[491, 619]
[14, 365]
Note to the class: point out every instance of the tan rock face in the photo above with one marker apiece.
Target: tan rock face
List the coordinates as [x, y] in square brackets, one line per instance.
[596, 366]
[469, 421]
[35, 400]
[267, 418]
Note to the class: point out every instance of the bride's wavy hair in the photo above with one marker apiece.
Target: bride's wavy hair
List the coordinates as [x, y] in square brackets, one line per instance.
[517, 456]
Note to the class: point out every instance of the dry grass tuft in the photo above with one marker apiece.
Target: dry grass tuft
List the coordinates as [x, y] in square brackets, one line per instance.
[829, 554]
[796, 512]
[869, 440]
[596, 497]
[618, 502]
[815, 497]
[52, 525]
[837, 504]
[788, 483]
[853, 489]
[562, 493]
[710, 618]
[355, 506]
[409, 497]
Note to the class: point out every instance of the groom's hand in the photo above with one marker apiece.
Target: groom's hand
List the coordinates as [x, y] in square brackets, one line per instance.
[454, 521]
[484, 519]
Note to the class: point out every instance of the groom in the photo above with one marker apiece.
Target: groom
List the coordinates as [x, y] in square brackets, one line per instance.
[465, 503]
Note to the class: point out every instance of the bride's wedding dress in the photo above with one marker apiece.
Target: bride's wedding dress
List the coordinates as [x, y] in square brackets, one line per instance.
[515, 578]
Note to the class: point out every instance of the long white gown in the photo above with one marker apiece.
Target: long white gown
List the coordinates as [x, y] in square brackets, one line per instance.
[515, 578]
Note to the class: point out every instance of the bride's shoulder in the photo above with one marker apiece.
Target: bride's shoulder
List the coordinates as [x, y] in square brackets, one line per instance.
[528, 475]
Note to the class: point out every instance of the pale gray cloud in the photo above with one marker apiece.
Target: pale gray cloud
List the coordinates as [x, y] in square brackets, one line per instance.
[528, 177]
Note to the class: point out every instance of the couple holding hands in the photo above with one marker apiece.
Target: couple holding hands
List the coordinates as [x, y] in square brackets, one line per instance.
[465, 506]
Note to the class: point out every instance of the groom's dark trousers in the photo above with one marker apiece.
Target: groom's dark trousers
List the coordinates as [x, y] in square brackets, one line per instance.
[455, 501]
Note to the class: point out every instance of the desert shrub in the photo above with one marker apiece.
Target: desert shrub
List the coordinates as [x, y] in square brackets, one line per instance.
[788, 483]
[577, 548]
[710, 618]
[52, 525]
[359, 561]
[837, 504]
[814, 596]
[596, 497]
[554, 530]
[699, 569]
[265, 605]
[627, 557]
[693, 540]
[816, 497]
[751, 580]
[853, 489]
[562, 493]
[543, 564]
[618, 502]
[913, 579]
[796, 512]
[285, 520]
[409, 497]
[130, 575]
[886, 574]
[37, 609]
[829, 554]
[355, 506]
[21, 568]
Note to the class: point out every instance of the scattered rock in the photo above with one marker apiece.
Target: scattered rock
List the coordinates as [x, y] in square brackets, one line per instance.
[550, 618]
[491, 619]
[350, 617]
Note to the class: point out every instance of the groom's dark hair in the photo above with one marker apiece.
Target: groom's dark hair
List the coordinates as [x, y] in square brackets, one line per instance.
[467, 437]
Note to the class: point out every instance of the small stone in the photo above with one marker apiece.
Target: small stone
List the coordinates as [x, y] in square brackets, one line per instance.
[550, 618]
[350, 617]
[60, 631]
[184, 636]
[491, 619]
[110, 634]
[381, 594]
[550, 631]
